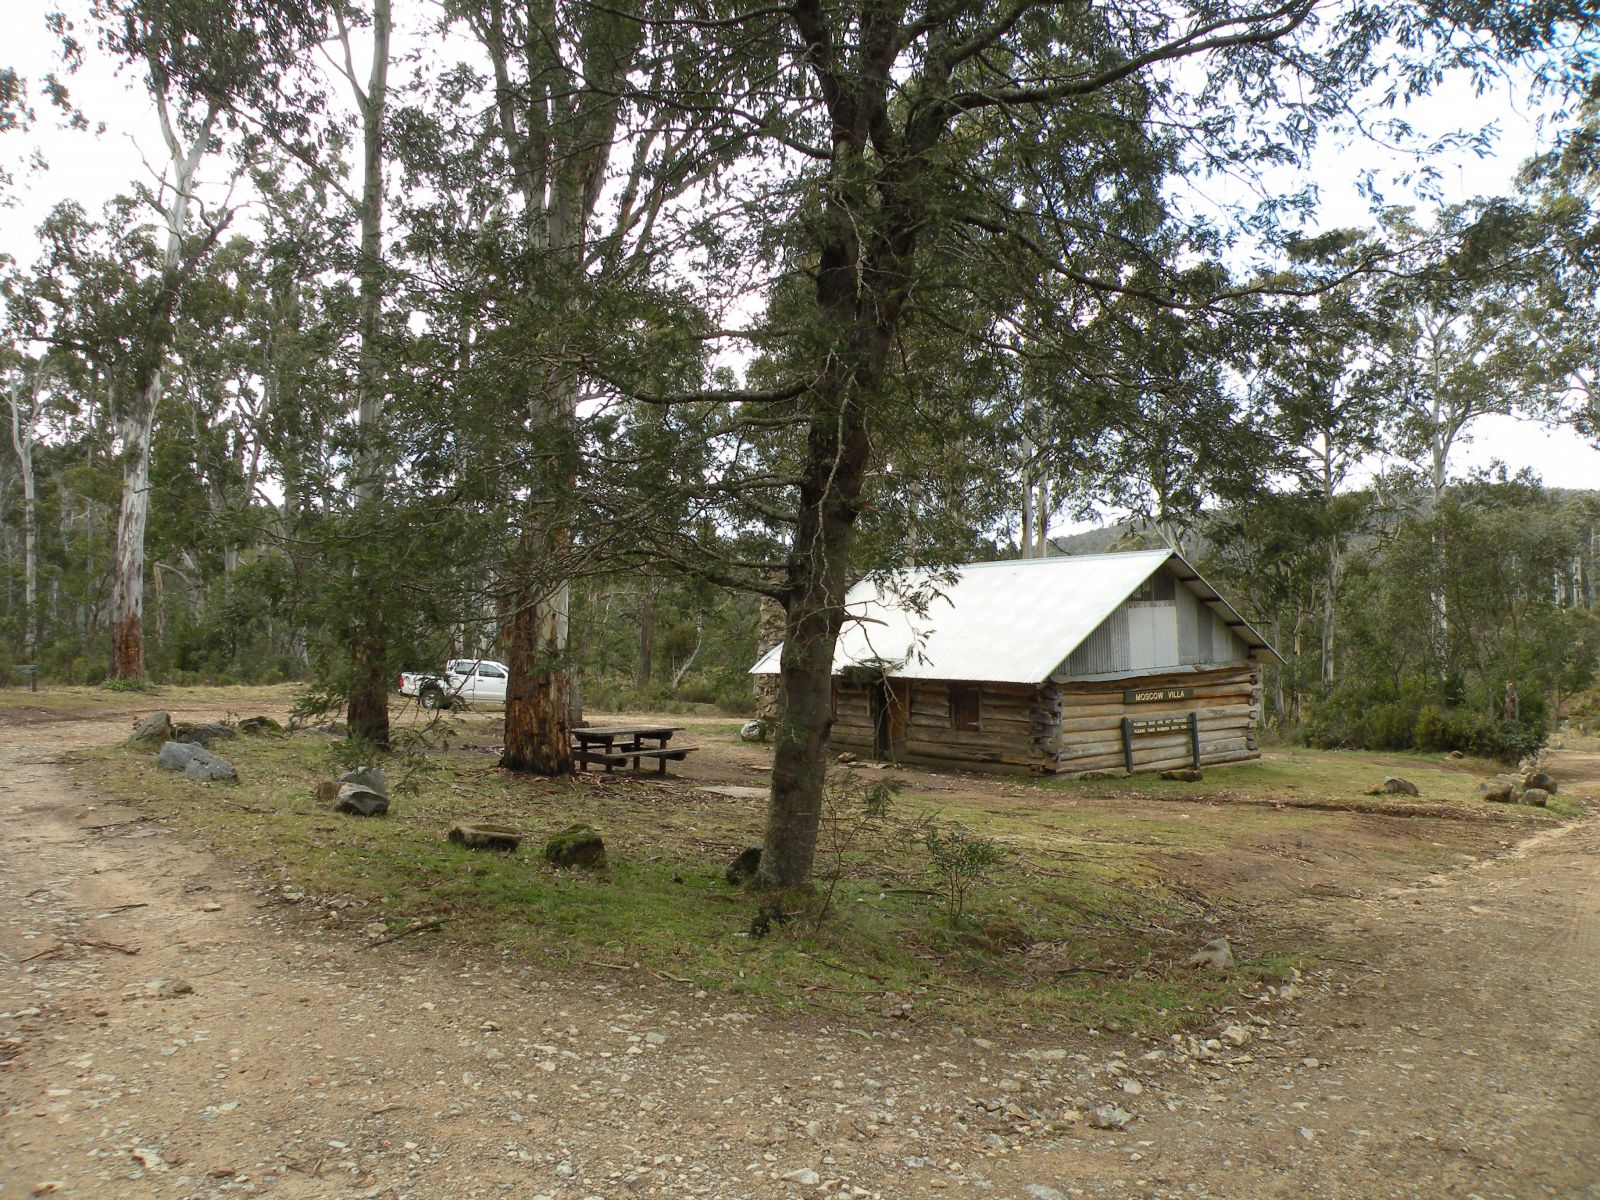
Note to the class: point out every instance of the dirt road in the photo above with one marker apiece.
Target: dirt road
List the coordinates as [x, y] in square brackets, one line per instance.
[242, 1051]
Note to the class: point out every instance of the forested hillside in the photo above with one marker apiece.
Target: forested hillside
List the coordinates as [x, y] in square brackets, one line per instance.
[572, 334]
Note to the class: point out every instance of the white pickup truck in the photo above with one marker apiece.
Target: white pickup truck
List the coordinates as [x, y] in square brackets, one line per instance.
[465, 681]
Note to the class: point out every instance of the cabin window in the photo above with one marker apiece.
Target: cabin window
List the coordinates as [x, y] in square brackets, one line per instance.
[964, 707]
[1158, 589]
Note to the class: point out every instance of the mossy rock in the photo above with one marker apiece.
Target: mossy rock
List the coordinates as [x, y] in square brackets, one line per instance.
[576, 846]
[259, 725]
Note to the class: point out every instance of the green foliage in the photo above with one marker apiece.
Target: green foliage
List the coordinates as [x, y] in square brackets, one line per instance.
[960, 860]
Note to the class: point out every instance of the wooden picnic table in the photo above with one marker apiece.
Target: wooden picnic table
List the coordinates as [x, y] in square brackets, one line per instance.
[614, 745]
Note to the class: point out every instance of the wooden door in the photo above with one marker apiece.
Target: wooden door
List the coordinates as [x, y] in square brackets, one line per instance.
[891, 709]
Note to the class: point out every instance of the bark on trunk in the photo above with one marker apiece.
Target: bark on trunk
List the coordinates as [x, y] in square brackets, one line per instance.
[22, 438]
[367, 715]
[538, 725]
[817, 579]
[647, 638]
[136, 428]
[127, 586]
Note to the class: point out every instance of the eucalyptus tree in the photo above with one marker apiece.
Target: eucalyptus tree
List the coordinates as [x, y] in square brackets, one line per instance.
[885, 130]
[586, 130]
[27, 383]
[192, 61]
[1468, 333]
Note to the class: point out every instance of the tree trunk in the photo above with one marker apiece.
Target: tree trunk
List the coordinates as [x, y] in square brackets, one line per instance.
[1330, 587]
[538, 725]
[127, 587]
[647, 638]
[817, 580]
[368, 712]
[22, 437]
[136, 428]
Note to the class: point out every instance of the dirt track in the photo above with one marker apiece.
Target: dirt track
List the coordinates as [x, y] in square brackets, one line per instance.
[1460, 1058]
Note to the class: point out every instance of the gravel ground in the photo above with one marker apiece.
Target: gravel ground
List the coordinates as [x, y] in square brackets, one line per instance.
[169, 1028]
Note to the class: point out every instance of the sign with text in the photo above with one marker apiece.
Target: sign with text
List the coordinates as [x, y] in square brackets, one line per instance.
[1160, 725]
[1156, 695]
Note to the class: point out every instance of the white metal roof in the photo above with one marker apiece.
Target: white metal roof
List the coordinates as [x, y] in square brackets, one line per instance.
[1008, 622]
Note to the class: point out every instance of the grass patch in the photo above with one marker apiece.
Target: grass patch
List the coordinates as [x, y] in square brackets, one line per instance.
[1103, 889]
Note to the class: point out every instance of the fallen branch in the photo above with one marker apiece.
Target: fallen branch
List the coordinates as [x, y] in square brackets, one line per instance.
[98, 945]
[116, 825]
[425, 927]
[124, 908]
[42, 953]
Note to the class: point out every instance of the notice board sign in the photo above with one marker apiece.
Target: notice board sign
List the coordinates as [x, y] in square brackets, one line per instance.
[1160, 725]
[1156, 695]
[1189, 721]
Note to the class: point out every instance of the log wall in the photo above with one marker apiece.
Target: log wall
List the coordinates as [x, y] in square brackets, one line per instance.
[1064, 726]
[1226, 703]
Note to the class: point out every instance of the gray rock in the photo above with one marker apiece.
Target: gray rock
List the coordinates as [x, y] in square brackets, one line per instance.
[1110, 1116]
[152, 731]
[370, 778]
[1540, 780]
[361, 801]
[206, 767]
[1216, 954]
[1040, 1191]
[175, 756]
[259, 725]
[1499, 790]
[1537, 797]
[1397, 786]
[202, 733]
[804, 1176]
[1183, 775]
[576, 846]
[744, 867]
[754, 731]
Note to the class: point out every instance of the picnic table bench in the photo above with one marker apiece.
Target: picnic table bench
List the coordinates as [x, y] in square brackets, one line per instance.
[617, 745]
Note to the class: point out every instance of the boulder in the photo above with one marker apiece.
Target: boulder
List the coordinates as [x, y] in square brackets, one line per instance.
[1216, 954]
[206, 767]
[1183, 775]
[1457, 754]
[361, 801]
[744, 867]
[1498, 790]
[370, 778]
[176, 756]
[202, 733]
[1401, 787]
[152, 731]
[484, 836]
[1540, 780]
[576, 846]
[1537, 797]
[259, 725]
[754, 731]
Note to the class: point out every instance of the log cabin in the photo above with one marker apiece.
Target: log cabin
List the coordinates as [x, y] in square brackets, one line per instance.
[1059, 666]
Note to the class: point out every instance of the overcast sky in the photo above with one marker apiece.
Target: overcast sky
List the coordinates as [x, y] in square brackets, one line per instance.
[91, 168]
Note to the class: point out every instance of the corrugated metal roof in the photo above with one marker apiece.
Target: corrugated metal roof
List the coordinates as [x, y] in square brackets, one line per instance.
[1007, 622]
